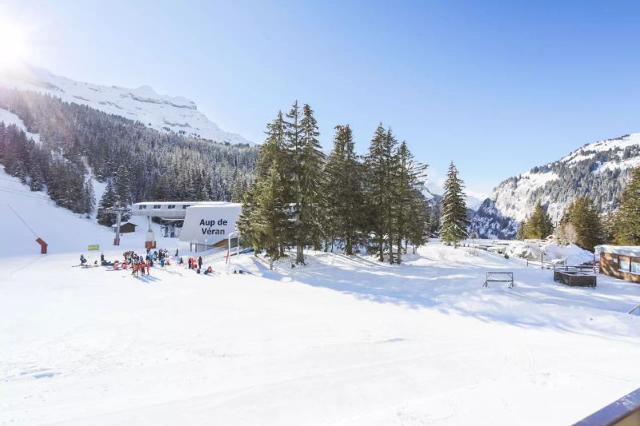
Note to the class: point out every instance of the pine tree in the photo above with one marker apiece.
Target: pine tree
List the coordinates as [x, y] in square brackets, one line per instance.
[627, 221]
[539, 225]
[294, 144]
[522, 231]
[380, 166]
[108, 200]
[581, 224]
[311, 178]
[454, 209]
[343, 193]
[417, 222]
[123, 185]
[89, 197]
[259, 225]
[269, 218]
[409, 206]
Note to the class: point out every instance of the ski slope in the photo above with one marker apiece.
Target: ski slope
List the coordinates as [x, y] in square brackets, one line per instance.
[343, 341]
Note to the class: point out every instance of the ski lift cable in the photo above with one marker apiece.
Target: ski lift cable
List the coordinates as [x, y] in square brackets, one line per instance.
[28, 195]
[22, 220]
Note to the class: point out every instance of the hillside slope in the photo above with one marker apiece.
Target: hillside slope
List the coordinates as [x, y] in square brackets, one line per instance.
[27, 215]
[143, 104]
[598, 170]
[340, 341]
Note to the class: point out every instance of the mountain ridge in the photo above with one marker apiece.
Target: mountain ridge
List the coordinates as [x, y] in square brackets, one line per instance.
[598, 170]
[160, 112]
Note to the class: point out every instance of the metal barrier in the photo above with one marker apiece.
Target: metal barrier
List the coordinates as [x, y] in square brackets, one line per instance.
[498, 277]
[623, 412]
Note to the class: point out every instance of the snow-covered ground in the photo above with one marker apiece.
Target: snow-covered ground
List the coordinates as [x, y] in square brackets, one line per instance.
[341, 341]
[9, 118]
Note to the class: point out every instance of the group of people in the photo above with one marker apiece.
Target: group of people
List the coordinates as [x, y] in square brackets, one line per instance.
[195, 263]
[142, 264]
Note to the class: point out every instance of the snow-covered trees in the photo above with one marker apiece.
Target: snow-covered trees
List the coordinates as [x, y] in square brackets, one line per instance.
[108, 200]
[142, 163]
[454, 209]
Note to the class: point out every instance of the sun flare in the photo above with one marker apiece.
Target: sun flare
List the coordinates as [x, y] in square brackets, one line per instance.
[14, 46]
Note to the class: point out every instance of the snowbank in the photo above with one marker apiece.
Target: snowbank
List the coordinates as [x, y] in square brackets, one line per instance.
[533, 250]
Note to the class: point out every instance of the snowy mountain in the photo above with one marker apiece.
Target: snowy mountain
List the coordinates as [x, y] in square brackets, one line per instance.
[434, 188]
[160, 112]
[598, 170]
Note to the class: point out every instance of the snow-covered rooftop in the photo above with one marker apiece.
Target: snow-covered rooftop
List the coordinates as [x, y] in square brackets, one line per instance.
[622, 250]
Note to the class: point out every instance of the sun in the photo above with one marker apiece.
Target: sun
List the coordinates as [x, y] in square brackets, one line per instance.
[14, 46]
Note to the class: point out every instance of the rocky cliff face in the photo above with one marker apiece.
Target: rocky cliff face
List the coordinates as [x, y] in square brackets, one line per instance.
[598, 170]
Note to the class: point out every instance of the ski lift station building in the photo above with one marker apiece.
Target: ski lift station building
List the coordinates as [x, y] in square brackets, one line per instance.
[205, 224]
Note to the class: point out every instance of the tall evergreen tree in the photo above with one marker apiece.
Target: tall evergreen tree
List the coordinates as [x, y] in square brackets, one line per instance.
[269, 219]
[343, 192]
[89, 198]
[454, 209]
[108, 200]
[417, 223]
[260, 225]
[539, 225]
[627, 219]
[409, 206]
[311, 178]
[123, 185]
[380, 167]
[583, 216]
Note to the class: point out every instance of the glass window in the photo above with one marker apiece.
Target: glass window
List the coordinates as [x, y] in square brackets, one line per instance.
[156, 206]
[142, 207]
[624, 264]
[185, 206]
[172, 206]
[635, 267]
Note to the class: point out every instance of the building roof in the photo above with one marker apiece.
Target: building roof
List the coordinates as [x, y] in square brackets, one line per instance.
[123, 224]
[622, 250]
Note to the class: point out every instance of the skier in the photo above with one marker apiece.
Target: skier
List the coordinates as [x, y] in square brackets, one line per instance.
[83, 260]
[199, 262]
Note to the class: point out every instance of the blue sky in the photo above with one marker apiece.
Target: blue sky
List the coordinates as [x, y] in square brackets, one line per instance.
[498, 87]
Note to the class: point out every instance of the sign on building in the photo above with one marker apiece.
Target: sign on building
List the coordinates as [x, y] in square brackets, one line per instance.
[209, 224]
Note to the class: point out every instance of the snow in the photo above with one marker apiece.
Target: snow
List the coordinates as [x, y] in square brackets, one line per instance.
[142, 104]
[344, 340]
[512, 195]
[515, 197]
[621, 250]
[629, 163]
[63, 230]
[617, 144]
[9, 118]
[341, 341]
